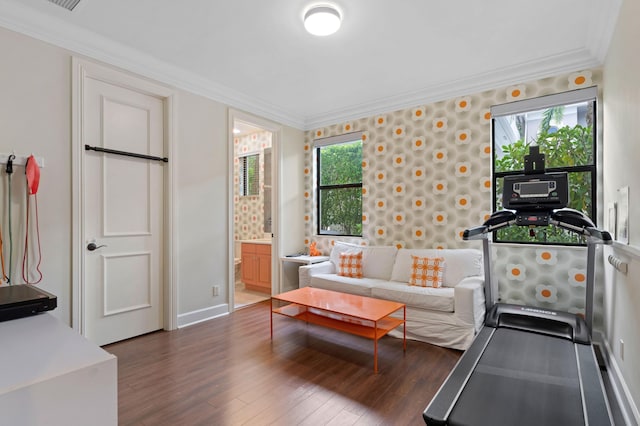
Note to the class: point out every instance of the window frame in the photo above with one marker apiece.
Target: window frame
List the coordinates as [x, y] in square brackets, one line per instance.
[589, 94]
[318, 144]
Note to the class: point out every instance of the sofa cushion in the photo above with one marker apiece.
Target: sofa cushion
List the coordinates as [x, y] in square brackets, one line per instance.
[360, 286]
[377, 261]
[350, 265]
[340, 247]
[461, 263]
[435, 299]
[427, 271]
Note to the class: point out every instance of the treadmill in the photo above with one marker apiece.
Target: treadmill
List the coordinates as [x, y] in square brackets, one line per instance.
[528, 365]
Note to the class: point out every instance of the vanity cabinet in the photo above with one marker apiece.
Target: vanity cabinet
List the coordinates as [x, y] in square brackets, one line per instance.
[256, 267]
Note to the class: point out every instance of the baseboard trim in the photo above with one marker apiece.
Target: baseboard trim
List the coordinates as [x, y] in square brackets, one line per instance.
[628, 408]
[200, 315]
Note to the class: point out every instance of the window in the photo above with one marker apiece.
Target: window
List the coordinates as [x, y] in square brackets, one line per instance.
[564, 127]
[339, 185]
[249, 175]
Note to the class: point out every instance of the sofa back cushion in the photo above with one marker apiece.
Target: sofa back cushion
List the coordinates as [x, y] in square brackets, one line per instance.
[461, 263]
[377, 261]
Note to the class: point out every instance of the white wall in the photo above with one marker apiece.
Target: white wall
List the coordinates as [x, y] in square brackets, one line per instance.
[291, 191]
[201, 199]
[621, 157]
[35, 117]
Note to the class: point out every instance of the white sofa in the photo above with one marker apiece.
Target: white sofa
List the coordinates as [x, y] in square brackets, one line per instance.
[448, 316]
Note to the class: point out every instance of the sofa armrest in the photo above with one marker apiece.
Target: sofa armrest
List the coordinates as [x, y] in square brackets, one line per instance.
[307, 271]
[469, 301]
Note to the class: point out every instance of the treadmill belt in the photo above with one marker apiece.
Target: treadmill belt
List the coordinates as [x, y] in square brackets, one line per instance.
[522, 379]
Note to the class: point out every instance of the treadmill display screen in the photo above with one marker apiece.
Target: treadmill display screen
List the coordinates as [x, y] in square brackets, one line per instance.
[534, 189]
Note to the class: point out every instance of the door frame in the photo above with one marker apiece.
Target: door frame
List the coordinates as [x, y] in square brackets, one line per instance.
[81, 69]
[276, 132]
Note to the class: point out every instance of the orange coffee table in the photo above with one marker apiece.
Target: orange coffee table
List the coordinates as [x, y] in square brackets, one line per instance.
[359, 315]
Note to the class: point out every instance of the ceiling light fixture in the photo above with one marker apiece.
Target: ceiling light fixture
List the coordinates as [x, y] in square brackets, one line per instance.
[322, 20]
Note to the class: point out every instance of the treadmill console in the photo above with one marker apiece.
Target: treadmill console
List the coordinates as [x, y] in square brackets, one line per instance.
[547, 191]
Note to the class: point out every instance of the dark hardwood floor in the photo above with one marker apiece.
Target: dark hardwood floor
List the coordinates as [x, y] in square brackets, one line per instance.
[227, 371]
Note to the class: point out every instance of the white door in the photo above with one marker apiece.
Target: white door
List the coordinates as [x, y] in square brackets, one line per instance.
[123, 213]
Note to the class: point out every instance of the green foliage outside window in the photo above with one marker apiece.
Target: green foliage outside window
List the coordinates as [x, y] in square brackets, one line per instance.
[564, 148]
[340, 189]
[249, 175]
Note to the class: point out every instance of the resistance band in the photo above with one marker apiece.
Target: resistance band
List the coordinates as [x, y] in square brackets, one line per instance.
[4, 273]
[32, 172]
[9, 171]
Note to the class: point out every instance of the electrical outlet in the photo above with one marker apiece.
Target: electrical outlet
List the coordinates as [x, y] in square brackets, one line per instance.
[622, 349]
[216, 290]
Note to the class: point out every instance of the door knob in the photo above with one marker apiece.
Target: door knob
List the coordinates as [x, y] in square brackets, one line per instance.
[93, 246]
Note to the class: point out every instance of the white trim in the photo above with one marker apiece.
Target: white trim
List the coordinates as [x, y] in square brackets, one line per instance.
[36, 24]
[276, 132]
[77, 201]
[334, 140]
[170, 290]
[628, 408]
[549, 66]
[201, 315]
[49, 29]
[81, 70]
[541, 102]
[605, 14]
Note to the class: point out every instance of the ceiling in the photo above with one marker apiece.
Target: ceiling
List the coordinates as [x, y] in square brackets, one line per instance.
[255, 55]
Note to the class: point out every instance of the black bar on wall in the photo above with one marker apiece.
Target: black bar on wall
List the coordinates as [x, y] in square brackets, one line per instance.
[128, 154]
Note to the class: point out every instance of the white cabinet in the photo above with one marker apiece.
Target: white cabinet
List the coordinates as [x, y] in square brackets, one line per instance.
[53, 376]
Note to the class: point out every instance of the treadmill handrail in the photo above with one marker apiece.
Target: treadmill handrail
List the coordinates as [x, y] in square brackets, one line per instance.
[497, 220]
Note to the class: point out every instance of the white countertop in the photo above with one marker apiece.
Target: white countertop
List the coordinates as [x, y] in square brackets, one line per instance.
[261, 241]
[40, 347]
[305, 259]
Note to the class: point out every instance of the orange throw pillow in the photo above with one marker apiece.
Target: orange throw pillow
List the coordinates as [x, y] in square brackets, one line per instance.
[427, 271]
[350, 265]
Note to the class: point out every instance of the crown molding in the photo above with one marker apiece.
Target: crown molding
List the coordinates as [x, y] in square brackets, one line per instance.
[602, 26]
[51, 30]
[548, 66]
[34, 23]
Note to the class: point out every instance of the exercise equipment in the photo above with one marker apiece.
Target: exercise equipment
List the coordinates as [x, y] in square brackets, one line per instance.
[528, 365]
[9, 171]
[32, 173]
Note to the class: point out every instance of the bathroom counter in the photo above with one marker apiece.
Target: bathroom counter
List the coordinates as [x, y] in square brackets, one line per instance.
[261, 241]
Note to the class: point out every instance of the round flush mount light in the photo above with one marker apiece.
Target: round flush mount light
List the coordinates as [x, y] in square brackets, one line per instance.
[322, 20]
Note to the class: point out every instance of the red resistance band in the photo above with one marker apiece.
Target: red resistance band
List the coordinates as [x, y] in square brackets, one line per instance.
[33, 181]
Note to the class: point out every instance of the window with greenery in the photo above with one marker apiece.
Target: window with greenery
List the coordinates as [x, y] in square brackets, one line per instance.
[339, 185]
[249, 175]
[564, 127]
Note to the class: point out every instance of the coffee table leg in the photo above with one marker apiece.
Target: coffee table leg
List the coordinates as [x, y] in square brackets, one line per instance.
[375, 352]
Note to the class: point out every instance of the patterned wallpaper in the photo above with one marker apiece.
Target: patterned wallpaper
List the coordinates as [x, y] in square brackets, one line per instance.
[427, 177]
[248, 214]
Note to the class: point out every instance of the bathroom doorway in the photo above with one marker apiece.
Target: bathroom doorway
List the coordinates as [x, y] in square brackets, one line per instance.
[252, 213]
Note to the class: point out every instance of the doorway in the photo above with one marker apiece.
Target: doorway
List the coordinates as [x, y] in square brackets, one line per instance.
[252, 213]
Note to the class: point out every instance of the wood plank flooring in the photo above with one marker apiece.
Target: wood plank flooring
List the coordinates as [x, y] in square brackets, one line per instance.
[227, 371]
